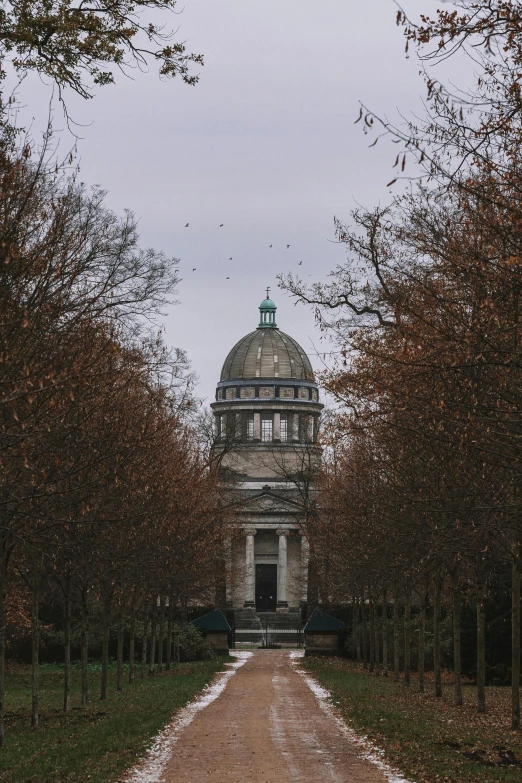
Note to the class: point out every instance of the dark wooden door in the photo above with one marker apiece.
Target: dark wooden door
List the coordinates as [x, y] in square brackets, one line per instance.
[266, 588]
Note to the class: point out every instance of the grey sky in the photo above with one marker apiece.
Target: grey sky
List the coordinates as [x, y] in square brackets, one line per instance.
[264, 144]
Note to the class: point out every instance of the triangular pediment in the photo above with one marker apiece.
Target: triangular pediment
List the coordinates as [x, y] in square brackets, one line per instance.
[269, 503]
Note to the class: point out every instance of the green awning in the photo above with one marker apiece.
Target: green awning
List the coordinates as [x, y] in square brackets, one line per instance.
[213, 621]
[320, 622]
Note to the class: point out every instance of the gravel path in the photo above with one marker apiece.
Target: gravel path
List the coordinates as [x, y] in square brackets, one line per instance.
[268, 726]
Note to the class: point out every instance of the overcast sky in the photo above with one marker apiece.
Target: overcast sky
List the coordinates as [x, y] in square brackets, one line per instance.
[265, 144]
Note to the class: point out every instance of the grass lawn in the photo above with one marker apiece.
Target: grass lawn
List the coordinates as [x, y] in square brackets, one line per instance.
[98, 742]
[428, 739]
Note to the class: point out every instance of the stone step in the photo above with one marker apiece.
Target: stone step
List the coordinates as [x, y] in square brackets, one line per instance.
[247, 619]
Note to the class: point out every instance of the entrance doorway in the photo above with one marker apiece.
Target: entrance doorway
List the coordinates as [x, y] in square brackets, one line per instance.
[266, 588]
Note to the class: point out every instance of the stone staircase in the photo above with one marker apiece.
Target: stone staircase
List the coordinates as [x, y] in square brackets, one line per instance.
[248, 626]
[251, 627]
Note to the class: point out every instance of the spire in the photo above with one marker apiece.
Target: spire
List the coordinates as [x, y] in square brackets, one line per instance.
[267, 310]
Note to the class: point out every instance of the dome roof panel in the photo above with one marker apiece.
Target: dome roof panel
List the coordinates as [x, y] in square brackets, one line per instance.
[267, 353]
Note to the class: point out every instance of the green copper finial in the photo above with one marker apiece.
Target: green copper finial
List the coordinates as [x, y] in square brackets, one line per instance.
[267, 309]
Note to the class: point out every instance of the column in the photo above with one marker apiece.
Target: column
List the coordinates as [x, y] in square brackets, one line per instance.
[257, 426]
[276, 435]
[250, 573]
[305, 557]
[282, 569]
[228, 572]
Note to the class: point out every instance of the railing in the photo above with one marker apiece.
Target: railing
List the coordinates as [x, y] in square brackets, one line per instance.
[282, 630]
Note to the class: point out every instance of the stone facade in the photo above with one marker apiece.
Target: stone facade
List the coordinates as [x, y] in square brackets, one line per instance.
[267, 416]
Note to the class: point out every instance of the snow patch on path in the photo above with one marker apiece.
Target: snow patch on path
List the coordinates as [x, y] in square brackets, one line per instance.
[367, 751]
[151, 768]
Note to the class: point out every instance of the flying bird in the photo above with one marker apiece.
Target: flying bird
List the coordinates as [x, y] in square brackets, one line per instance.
[227, 278]
[299, 263]
[287, 247]
[221, 225]
[194, 269]
[186, 225]
[230, 259]
[270, 245]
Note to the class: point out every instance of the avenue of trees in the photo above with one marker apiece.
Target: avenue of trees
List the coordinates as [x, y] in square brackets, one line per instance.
[109, 503]
[422, 488]
[107, 499]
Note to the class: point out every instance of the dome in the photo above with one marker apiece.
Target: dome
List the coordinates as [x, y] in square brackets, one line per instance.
[267, 304]
[267, 353]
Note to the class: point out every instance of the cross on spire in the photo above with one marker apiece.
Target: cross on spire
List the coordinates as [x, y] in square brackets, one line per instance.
[268, 292]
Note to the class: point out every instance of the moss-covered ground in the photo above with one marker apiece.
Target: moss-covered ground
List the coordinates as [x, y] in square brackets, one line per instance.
[96, 743]
[427, 738]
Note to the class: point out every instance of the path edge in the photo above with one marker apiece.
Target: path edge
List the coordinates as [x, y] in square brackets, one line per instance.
[367, 750]
[151, 767]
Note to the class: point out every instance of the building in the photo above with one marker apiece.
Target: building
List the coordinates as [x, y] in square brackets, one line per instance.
[267, 418]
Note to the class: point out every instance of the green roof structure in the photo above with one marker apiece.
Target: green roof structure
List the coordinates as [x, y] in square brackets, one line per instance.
[320, 622]
[212, 621]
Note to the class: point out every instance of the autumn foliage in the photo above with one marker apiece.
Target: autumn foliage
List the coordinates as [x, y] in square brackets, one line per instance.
[422, 491]
[109, 506]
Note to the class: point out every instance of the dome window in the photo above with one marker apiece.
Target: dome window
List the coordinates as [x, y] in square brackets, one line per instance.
[266, 427]
[284, 428]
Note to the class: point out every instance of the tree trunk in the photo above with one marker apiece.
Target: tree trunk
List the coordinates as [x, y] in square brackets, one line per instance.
[67, 646]
[353, 635]
[385, 634]
[85, 651]
[407, 637]
[4, 559]
[436, 637]
[377, 639]
[119, 653]
[396, 637]
[168, 653]
[152, 661]
[161, 637]
[358, 651]
[35, 650]
[364, 637]
[144, 643]
[132, 640]
[515, 637]
[457, 658]
[481, 650]
[422, 638]
[372, 633]
[106, 627]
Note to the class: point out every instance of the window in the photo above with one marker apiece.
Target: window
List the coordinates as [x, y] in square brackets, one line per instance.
[284, 428]
[250, 426]
[266, 427]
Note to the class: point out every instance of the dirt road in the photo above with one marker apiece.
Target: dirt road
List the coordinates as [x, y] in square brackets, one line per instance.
[267, 726]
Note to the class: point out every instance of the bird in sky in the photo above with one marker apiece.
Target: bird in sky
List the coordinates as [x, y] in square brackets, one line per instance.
[230, 259]
[270, 245]
[227, 278]
[194, 269]
[186, 225]
[299, 263]
[221, 225]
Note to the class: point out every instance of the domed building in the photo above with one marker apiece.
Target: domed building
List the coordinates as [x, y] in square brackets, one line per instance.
[267, 418]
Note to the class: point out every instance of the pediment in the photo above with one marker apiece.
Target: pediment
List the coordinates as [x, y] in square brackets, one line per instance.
[267, 503]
